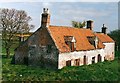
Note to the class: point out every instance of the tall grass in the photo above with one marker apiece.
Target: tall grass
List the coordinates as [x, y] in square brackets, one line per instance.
[102, 71]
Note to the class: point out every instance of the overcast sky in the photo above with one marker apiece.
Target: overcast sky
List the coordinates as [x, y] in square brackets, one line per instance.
[62, 13]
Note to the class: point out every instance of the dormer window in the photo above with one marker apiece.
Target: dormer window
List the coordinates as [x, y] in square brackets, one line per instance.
[71, 42]
[93, 41]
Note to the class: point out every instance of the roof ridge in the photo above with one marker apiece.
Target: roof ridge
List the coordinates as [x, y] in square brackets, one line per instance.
[67, 27]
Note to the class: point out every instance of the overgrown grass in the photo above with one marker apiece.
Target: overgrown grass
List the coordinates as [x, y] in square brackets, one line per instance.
[16, 43]
[102, 71]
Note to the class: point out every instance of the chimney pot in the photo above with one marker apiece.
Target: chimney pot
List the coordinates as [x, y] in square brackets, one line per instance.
[45, 19]
[45, 10]
[104, 29]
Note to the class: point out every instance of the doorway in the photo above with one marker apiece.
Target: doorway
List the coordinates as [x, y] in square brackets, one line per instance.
[99, 58]
[93, 60]
[84, 60]
[77, 62]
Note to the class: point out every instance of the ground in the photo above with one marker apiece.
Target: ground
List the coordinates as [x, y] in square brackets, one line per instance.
[102, 71]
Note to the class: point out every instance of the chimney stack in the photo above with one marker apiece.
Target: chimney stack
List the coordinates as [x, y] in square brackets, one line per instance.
[104, 29]
[90, 24]
[45, 19]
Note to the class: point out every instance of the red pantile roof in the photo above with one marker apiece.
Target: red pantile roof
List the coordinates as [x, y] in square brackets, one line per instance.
[80, 34]
[104, 37]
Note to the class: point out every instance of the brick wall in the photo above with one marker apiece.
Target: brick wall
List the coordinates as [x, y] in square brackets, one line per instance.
[38, 50]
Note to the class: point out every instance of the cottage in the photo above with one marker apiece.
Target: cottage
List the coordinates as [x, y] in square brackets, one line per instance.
[59, 46]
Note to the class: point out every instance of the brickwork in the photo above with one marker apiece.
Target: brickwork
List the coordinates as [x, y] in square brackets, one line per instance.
[34, 51]
[58, 46]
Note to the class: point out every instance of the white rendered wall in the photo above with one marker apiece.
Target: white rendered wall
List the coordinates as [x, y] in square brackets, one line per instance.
[109, 50]
[63, 57]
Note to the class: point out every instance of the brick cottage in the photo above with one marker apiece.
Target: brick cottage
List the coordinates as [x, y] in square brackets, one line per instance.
[59, 46]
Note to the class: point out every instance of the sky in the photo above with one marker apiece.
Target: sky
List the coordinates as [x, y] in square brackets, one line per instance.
[62, 13]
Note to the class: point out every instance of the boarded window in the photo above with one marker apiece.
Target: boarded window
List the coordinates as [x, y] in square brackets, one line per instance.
[68, 63]
[77, 62]
[26, 60]
[49, 48]
[32, 50]
[99, 58]
[93, 60]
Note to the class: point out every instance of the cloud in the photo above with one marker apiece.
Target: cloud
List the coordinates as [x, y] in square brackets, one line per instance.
[80, 12]
[46, 4]
[83, 12]
[100, 13]
[63, 13]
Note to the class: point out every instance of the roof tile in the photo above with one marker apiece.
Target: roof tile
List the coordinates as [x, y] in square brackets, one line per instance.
[104, 37]
[80, 34]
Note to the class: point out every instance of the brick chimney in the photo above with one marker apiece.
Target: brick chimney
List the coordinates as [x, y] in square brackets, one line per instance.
[104, 29]
[90, 24]
[45, 19]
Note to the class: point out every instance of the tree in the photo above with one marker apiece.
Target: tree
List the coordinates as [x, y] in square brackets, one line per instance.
[78, 24]
[13, 21]
[115, 35]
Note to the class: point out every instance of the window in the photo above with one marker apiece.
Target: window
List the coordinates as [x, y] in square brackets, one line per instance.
[49, 48]
[71, 42]
[99, 58]
[112, 52]
[32, 50]
[93, 40]
[68, 63]
[77, 62]
[93, 60]
[26, 60]
[72, 46]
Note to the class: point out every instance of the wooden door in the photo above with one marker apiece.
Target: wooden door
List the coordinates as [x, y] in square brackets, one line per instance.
[77, 62]
[99, 58]
[84, 60]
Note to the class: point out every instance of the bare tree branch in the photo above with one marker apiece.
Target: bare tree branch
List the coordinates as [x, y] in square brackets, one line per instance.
[13, 21]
